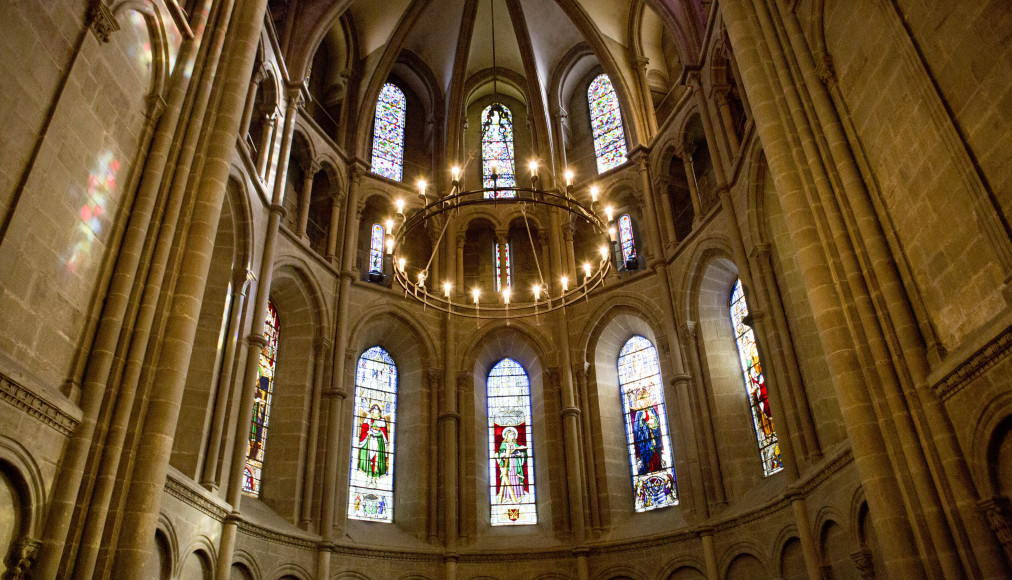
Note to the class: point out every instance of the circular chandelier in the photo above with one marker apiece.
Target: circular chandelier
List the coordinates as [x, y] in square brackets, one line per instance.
[509, 302]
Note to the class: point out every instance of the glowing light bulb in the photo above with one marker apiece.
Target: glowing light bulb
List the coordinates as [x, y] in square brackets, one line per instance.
[593, 193]
[604, 252]
[390, 244]
[401, 263]
[533, 166]
[586, 269]
[400, 205]
[446, 288]
[493, 167]
[537, 292]
[390, 225]
[421, 279]
[475, 294]
[421, 186]
[565, 283]
[455, 172]
[506, 294]
[612, 233]
[610, 212]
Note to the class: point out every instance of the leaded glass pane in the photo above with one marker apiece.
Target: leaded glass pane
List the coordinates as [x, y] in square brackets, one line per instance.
[371, 493]
[606, 124]
[388, 133]
[755, 384]
[497, 146]
[646, 426]
[625, 236]
[510, 446]
[253, 470]
[376, 248]
[500, 275]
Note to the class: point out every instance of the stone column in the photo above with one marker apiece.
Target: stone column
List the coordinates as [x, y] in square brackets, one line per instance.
[885, 499]
[251, 95]
[256, 339]
[321, 348]
[568, 231]
[691, 339]
[710, 555]
[338, 391]
[703, 106]
[809, 546]
[720, 93]
[571, 437]
[667, 211]
[265, 143]
[309, 170]
[449, 427]
[560, 127]
[241, 281]
[686, 424]
[149, 471]
[335, 218]
[685, 154]
[556, 255]
[639, 65]
[119, 296]
[503, 273]
[654, 250]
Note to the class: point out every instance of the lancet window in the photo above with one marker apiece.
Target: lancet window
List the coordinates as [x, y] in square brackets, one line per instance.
[376, 248]
[755, 384]
[388, 133]
[371, 493]
[510, 445]
[253, 471]
[606, 124]
[626, 239]
[646, 426]
[497, 161]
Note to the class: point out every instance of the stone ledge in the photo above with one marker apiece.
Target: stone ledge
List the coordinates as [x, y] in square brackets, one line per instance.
[35, 405]
[977, 364]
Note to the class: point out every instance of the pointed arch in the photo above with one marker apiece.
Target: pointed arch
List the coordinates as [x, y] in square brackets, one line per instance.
[388, 133]
[606, 124]
[510, 437]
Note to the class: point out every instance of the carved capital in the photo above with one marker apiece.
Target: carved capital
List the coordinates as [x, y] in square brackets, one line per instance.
[997, 511]
[155, 107]
[460, 240]
[641, 62]
[826, 70]
[101, 20]
[862, 560]
[356, 174]
[434, 377]
[310, 168]
[22, 557]
[689, 329]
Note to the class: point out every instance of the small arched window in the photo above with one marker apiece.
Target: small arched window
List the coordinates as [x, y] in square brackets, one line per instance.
[503, 273]
[626, 239]
[371, 493]
[606, 124]
[497, 150]
[376, 248]
[510, 445]
[388, 133]
[253, 470]
[755, 384]
[646, 425]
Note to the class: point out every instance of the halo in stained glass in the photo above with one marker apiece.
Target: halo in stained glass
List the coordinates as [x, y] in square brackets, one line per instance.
[510, 446]
[497, 147]
[646, 426]
[606, 124]
[755, 384]
[625, 236]
[376, 248]
[388, 133]
[253, 470]
[371, 490]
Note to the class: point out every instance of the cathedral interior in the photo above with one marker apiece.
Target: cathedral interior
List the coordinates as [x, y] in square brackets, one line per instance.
[623, 289]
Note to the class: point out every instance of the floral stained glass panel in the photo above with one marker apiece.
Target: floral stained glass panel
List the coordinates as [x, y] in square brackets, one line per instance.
[388, 133]
[497, 147]
[646, 426]
[625, 236]
[755, 384]
[510, 445]
[376, 248]
[371, 493]
[253, 470]
[606, 124]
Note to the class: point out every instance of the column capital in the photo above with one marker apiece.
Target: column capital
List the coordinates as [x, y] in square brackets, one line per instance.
[100, 19]
[434, 376]
[322, 344]
[689, 328]
[258, 75]
[501, 235]
[461, 237]
[355, 174]
[640, 155]
[826, 71]
[310, 167]
[680, 379]
[862, 560]
[641, 62]
[997, 510]
[155, 107]
[568, 231]
[761, 252]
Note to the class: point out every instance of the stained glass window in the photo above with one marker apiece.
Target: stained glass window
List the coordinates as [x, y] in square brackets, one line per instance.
[606, 124]
[376, 249]
[646, 426]
[497, 148]
[501, 276]
[755, 384]
[253, 470]
[371, 494]
[388, 133]
[625, 236]
[510, 453]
